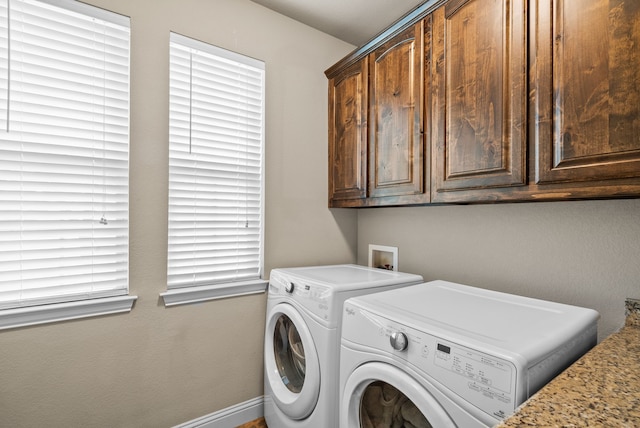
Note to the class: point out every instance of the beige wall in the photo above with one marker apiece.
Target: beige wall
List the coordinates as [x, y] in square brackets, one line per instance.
[584, 253]
[158, 367]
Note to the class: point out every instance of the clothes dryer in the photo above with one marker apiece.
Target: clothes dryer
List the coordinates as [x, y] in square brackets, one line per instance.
[441, 354]
[302, 339]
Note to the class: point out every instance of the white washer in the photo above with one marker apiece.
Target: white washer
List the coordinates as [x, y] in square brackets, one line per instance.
[448, 355]
[302, 339]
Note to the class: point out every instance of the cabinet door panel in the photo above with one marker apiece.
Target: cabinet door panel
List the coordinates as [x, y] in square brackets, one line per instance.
[348, 133]
[396, 145]
[587, 85]
[480, 98]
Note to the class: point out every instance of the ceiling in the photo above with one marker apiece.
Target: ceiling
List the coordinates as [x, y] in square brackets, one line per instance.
[354, 21]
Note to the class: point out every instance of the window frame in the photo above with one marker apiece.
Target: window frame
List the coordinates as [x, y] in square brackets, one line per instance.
[93, 305]
[174, 296]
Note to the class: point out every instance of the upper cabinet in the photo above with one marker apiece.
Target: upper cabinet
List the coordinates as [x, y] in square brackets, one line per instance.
[585, 108]
[348, 98]
[396, 147]
[466, 101]
[480, 93]
[377, 151]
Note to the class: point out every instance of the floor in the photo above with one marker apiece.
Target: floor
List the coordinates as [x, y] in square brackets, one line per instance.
[258, 423]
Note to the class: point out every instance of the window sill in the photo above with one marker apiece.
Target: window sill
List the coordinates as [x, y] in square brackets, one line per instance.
[182, 296]
[43, 314]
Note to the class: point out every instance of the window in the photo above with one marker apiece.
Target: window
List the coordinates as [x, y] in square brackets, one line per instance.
[64, 155]
[215, 173]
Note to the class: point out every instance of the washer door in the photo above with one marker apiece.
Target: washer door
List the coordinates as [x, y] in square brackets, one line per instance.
[291, 362]
[383, 396]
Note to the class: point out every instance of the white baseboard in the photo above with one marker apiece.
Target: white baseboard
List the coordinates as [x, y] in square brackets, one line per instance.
[230, 417]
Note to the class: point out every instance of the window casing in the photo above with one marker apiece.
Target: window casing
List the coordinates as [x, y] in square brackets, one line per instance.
[64, 159]
[216, 144]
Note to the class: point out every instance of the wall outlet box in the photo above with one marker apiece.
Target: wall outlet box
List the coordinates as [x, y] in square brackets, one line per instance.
[383, 257]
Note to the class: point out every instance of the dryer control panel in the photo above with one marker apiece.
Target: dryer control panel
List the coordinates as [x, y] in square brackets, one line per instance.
[485, 381]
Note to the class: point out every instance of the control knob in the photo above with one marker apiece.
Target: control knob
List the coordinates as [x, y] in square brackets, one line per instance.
[288, 287]
[399, 341]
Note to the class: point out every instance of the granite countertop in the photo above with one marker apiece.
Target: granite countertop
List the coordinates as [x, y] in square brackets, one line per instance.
[600, 389]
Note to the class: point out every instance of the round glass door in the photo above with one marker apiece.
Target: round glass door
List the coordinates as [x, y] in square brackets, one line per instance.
[292, 369]
[288, 350]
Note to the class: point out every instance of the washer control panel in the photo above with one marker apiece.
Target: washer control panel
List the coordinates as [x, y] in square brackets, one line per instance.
[315, 298]
[484, 380]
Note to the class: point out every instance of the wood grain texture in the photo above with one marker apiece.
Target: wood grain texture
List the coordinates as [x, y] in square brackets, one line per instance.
[521, 101]
[395, 138]
[348, 97]
[587, 87]
[258, 423]
[480, 106]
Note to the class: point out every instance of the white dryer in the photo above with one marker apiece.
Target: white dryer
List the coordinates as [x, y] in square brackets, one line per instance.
[441, 354]
[302, 339]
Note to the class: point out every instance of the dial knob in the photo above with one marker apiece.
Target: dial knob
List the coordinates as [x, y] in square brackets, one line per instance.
[288, 287]
[399, 341]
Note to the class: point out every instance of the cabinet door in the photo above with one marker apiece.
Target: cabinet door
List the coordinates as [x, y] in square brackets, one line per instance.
[396, 145]
[479, 102]
[586, 84]
[348, 134]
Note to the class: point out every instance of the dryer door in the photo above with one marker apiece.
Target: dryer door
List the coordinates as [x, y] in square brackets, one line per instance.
[383, 396]
[291, 362]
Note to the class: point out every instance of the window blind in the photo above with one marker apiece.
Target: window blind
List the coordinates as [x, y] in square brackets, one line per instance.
[64, 152]
[215, 165]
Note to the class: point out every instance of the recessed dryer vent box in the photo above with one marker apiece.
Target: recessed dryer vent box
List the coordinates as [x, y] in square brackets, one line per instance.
[383, 257]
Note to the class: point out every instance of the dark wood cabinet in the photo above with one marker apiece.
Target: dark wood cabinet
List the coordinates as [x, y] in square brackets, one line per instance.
[480, 99]
[377, 152]
[348, 98]
[396, 147]
[476, 101]
[585, 108]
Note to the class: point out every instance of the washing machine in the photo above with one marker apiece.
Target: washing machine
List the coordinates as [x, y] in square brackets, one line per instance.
[441, 354]
[302, 339]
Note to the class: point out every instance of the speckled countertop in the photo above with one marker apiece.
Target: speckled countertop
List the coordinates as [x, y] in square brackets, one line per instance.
[602, 389]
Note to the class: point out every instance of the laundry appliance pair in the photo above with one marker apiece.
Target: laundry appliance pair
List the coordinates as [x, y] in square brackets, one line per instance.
[354, 347]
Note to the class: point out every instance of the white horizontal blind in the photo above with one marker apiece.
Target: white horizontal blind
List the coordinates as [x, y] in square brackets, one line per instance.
[64, 152]
[215, 165]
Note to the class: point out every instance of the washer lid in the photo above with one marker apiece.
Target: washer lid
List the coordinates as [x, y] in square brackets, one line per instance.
[495, 321]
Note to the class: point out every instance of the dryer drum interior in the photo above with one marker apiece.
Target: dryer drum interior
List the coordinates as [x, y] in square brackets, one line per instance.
[289, 353]
[384, 406]
[379, 395]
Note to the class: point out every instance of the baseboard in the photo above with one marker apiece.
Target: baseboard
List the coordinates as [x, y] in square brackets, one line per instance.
[230, 417]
